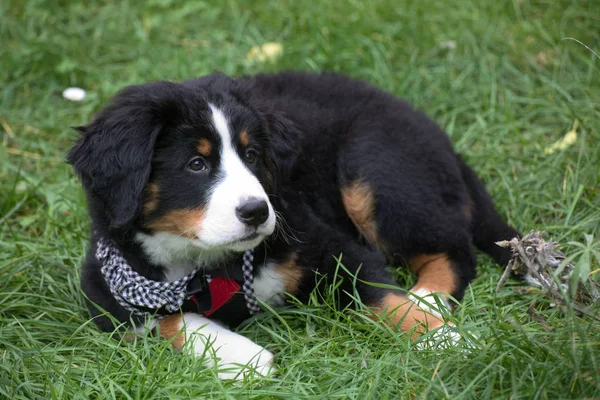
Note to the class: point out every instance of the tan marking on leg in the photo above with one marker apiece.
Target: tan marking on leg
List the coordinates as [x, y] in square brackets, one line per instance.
[359, 203]
[204, 147]
[180, 222]
[290, 273]
[170, 327]
[407, 315]
[244, 138]
[434, 273]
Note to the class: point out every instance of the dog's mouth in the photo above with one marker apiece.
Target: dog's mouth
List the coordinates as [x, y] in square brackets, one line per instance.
[246, 242]
[252, 236]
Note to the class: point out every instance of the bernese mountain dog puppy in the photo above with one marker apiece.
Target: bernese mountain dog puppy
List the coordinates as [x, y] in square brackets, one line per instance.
[211, 196]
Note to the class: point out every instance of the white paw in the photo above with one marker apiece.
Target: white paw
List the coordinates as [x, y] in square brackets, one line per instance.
[444, 337]
[234, 356]
[429, 301]
[247, 360]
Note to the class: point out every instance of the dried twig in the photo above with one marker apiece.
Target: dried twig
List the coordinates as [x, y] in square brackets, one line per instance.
[9, 131]
[542, 265]
[22, 153]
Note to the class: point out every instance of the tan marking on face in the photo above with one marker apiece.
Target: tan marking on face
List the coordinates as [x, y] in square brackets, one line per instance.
[170, 328]
[434, 273]
[204, 147]
[406, 315]
[290, 273]
[151, 199]
[244, 138]
[359, 203]
[179, 222]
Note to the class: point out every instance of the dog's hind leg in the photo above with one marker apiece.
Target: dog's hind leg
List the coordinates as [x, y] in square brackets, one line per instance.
[437, 247]
[444, 266]
[365, 270]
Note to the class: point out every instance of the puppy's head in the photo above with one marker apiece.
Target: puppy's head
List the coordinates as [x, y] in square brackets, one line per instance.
[187, 166]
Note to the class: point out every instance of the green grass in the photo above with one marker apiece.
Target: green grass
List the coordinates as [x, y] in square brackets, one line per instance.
[510, 88]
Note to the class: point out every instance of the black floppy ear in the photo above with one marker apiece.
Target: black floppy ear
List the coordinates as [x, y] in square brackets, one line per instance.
[114, 153]
[282, 151]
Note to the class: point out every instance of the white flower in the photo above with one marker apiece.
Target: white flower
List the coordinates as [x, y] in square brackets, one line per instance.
[448, 44]
[74, 94]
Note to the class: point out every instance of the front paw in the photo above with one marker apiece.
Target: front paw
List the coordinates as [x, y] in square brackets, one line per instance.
[232, 355]
[242, 358]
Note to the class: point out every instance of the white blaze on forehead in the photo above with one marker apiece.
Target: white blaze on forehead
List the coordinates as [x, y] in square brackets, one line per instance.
[232, 167]
[220, 123]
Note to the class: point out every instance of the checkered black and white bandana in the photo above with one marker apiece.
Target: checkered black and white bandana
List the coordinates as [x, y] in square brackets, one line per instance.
[248, 286]
[132, 291]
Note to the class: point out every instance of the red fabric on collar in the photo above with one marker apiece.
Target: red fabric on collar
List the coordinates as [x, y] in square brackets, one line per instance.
[221, 291]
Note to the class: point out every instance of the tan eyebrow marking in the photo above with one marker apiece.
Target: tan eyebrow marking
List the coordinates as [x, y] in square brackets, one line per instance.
[244, 138]
[204, 147]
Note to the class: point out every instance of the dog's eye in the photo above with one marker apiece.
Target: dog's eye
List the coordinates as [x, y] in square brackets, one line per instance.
[250, 156]
[197, 165]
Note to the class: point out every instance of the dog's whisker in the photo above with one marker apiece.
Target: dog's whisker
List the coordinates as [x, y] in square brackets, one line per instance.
[287, 232]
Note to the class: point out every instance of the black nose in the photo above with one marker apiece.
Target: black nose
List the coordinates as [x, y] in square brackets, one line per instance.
[253, 212]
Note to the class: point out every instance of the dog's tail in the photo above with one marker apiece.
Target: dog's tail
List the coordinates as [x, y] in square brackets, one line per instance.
[486, 225]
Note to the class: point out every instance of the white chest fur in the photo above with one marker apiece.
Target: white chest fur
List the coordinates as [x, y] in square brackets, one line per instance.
[175, 272]
[269, 285]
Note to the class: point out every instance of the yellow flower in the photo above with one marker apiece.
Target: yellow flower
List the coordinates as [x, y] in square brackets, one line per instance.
[266, 52]
[566, 141]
